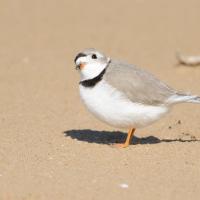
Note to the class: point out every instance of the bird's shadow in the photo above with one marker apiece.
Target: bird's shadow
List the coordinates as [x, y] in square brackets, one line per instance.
[108, 137]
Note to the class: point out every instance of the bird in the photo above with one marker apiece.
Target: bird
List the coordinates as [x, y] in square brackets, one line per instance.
[124, 95]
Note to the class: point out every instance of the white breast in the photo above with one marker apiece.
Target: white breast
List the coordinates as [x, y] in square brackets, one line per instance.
[112, 107]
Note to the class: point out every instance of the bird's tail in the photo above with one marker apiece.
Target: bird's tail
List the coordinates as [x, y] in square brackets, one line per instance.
[183, 98]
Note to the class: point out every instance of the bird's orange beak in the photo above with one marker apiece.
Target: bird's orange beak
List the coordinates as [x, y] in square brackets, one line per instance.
[81, 66]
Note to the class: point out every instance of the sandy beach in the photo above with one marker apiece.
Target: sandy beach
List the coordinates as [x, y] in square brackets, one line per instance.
[51, 147]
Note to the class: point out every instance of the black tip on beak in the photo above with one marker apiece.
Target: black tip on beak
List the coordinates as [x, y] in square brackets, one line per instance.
[78, 56]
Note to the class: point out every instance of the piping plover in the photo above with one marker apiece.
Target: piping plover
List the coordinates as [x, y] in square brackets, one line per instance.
[123, 95]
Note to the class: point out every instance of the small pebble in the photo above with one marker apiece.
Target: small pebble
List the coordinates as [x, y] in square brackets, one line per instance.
[124, 185]
[193, 137]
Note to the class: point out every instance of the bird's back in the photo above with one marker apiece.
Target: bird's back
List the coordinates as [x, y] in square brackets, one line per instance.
[137, 84]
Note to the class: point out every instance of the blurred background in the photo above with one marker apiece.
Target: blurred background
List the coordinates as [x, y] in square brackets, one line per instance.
[40, 99]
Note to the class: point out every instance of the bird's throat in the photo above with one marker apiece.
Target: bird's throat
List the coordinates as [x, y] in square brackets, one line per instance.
[92, 82]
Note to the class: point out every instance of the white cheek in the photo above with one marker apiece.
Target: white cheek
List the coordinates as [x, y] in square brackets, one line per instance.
[92, 70]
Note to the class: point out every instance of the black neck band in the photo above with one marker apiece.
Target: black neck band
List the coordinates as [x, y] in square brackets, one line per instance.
[92, 82]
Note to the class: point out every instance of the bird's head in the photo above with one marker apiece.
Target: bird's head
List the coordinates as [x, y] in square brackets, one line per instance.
[90, 63]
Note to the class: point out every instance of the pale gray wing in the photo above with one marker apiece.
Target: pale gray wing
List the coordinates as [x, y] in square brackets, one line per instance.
[137, 84]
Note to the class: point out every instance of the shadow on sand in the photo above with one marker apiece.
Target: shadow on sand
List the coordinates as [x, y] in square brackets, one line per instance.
[108, 137]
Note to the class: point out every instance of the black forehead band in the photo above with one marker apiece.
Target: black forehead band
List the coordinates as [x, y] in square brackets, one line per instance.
[79, 55]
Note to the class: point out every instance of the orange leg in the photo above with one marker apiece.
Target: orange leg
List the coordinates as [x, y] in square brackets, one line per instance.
[128, 139]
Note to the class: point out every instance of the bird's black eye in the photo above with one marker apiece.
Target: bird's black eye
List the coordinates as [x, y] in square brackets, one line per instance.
[94, 56]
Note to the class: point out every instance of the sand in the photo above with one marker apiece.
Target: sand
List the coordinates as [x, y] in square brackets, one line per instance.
[50, 146]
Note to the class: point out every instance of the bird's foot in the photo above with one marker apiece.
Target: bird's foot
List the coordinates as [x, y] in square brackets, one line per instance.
[120, 145]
